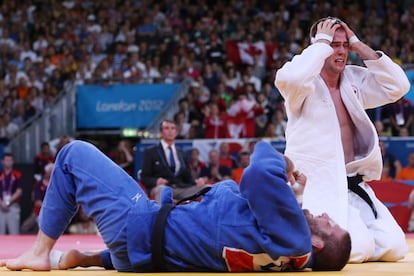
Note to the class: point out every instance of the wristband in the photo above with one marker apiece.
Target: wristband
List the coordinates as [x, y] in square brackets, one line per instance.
[323, 36]
[353, 39]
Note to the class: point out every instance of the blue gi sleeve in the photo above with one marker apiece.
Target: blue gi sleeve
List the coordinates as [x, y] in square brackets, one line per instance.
[281, 221]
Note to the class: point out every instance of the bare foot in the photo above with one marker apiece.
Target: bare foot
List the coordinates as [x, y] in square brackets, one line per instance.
[29, 260]
[74, 258]
[70, 259]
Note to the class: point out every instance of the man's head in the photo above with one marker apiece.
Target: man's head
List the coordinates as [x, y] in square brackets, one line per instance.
[7, 161]
[45, 148]
[213, 157]
[168, 131]
[340, 44]
[244, 157]
[331, 245]
[314, 26]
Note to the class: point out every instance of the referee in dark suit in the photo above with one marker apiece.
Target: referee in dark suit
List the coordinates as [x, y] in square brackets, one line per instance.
[165, 165]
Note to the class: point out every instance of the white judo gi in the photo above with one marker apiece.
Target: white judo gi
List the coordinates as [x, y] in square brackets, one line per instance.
[313, 142]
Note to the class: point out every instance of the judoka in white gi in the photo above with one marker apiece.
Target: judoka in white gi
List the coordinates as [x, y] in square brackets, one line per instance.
[329, 136]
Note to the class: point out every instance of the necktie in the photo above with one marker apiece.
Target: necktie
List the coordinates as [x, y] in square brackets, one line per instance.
[172, 161]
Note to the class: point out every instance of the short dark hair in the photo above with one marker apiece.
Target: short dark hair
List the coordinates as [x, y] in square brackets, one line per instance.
[335, 254]
[244, 153]
[166, 121]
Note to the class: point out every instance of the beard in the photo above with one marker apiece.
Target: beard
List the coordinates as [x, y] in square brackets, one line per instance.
[312, 223]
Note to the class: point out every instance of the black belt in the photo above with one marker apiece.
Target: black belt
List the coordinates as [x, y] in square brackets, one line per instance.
[157, 238]
[353, 185]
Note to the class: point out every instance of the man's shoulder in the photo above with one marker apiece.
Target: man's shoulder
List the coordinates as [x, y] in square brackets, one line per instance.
[152, 148]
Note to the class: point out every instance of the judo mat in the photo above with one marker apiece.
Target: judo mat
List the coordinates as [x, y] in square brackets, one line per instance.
[12, 246]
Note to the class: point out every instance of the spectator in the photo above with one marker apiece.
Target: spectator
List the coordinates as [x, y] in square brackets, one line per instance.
[166, 165]
[19, 117]
[183, 127]
[9, 102]
[403, 132]
[167, 75]
[379, 126]
[407, 172]
[123, 156]
[241, 116]
[12, 129]
[215, 172]
[263, 119]
[215, 122]
[251, 78]
[150, 73]
[280, 122]
[210, 76]
[22, 87]
[201, 93]
[196, 165]
[244, 161]
[231, 77]
[215, 51]
[27, 52]
[400, 116]
[190, 113]
[29, 109]
[30, 226]
[42, 159]
[4, 139]
[225, 156]
[12, 77]
[270, 131]
[10, 192]
[35, 98]
[223, 93]
[391, 164]
[40, 43]
[34, 80]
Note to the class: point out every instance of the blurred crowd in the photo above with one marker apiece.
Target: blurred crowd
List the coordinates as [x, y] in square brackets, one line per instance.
[45, 44]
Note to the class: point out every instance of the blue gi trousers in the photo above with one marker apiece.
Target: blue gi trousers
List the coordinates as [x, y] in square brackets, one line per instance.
[83, 175]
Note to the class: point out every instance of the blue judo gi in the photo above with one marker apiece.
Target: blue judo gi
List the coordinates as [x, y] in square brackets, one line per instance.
[252, 227]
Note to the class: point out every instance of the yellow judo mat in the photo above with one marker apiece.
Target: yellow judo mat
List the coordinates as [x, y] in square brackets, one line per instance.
[17, 244]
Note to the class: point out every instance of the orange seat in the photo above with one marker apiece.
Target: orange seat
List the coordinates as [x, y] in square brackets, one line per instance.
[394, 194]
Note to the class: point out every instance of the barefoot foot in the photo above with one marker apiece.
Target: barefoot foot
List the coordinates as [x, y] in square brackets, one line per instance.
[28, 260]
[70, 259]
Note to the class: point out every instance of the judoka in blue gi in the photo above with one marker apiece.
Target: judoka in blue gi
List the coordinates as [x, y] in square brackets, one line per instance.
[257, 226]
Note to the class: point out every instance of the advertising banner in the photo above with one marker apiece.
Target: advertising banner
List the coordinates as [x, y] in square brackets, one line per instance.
[121, 106]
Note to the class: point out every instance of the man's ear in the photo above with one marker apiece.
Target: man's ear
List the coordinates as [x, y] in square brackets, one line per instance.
[317, 243]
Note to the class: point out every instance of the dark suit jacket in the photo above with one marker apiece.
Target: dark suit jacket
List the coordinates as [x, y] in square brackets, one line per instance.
[154, 165]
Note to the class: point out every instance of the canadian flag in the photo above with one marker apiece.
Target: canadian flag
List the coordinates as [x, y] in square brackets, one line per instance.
[245, 53]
